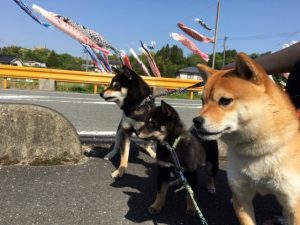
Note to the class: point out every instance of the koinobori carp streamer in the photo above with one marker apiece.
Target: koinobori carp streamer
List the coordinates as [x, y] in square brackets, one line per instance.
[190, 45]
[194, 34]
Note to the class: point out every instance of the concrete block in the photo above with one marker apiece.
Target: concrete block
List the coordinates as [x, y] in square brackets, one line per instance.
[36, 135]
[47, 85]
[158, 90]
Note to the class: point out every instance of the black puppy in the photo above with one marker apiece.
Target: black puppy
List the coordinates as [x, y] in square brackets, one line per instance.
[164, 125]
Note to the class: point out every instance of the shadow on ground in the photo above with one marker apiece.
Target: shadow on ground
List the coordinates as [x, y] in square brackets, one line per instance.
[140, 188]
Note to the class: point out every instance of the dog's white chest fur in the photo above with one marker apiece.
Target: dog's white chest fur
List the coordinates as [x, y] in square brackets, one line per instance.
[251, 175]
[246, 172]
[129, 123]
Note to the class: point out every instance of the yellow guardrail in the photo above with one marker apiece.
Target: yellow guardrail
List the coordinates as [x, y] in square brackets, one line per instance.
[86, 77]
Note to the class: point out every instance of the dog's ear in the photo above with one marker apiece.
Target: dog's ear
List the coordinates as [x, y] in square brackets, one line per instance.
[115, 69]
[205, 71]
[247, 68]
[129, 73]
[166, 108]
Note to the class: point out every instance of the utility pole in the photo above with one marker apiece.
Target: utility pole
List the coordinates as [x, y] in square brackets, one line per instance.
[216, 34]
[224, 52]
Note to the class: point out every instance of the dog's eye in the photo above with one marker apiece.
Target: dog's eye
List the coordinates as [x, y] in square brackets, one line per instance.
[116, 85]
[225, 101]
[151, 123]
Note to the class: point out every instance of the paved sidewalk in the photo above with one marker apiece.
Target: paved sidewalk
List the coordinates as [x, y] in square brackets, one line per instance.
[86, 195]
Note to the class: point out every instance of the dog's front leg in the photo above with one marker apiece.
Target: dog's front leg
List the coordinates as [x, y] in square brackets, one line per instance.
[192, 180]
[163, 176]
[243, 208]
[117, 144]
[124, 157]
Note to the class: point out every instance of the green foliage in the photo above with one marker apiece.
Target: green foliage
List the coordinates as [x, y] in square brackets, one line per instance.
[53, 61]
[69, 62]
[74, 87]
[169, 60]
[11, 51]
[44, 55]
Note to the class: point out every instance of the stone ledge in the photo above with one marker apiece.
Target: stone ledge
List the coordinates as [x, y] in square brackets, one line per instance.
[36, 135]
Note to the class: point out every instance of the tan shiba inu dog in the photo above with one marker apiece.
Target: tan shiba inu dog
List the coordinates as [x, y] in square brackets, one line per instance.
[257, 121]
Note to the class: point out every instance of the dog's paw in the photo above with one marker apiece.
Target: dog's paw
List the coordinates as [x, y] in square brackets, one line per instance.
[191, 212]
[211, 191]
[151, 152]
[275, 220]
[110, 155]
[115, 174]
[106, 157]
[119, 172]
[153, 210]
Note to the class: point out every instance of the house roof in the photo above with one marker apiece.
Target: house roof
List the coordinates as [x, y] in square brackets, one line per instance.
[192, 70]
[7, 59]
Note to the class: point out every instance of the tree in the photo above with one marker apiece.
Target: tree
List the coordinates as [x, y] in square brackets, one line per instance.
[53, 61]
[40, 54]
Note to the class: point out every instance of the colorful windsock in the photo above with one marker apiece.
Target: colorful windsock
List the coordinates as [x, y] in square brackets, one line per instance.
[144, 68]
[30, 13]
[203, 24]
[190, 45]
[93, 35]
[150, 60]
[96, 61]
[194, 34]
[125, 59]
[67, 29]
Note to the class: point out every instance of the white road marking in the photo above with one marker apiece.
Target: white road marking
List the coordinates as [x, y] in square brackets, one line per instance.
[97, 133]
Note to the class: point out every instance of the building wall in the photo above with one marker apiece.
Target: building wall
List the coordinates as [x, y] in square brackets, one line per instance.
[189, 76]
[35, 64]
[16, 63]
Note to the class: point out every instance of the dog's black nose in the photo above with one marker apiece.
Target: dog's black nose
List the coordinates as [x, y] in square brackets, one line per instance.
[198, 121]
[101, 94]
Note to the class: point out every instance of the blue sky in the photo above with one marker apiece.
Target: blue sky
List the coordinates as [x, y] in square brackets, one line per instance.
[254, 26]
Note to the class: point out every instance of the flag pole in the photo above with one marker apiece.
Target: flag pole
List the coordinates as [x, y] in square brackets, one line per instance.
[216, 34]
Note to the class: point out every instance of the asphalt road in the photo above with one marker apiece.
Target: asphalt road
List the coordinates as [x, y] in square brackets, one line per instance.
[86, 195]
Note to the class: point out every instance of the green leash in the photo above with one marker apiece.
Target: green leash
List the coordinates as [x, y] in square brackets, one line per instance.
[186, 185]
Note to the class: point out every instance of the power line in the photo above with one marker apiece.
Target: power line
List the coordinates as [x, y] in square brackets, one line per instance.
[263, 36]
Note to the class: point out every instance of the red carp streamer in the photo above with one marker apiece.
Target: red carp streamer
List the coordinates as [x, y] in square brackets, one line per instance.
[190, 45]
[125, 59]
[194, 34]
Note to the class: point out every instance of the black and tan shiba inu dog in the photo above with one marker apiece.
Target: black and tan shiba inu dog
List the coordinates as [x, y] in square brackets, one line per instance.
[164, 126]
[128, 90]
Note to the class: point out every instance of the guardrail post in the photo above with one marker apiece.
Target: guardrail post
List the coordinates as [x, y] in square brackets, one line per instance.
[191, 95]
[5, 83]
[95, 88]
